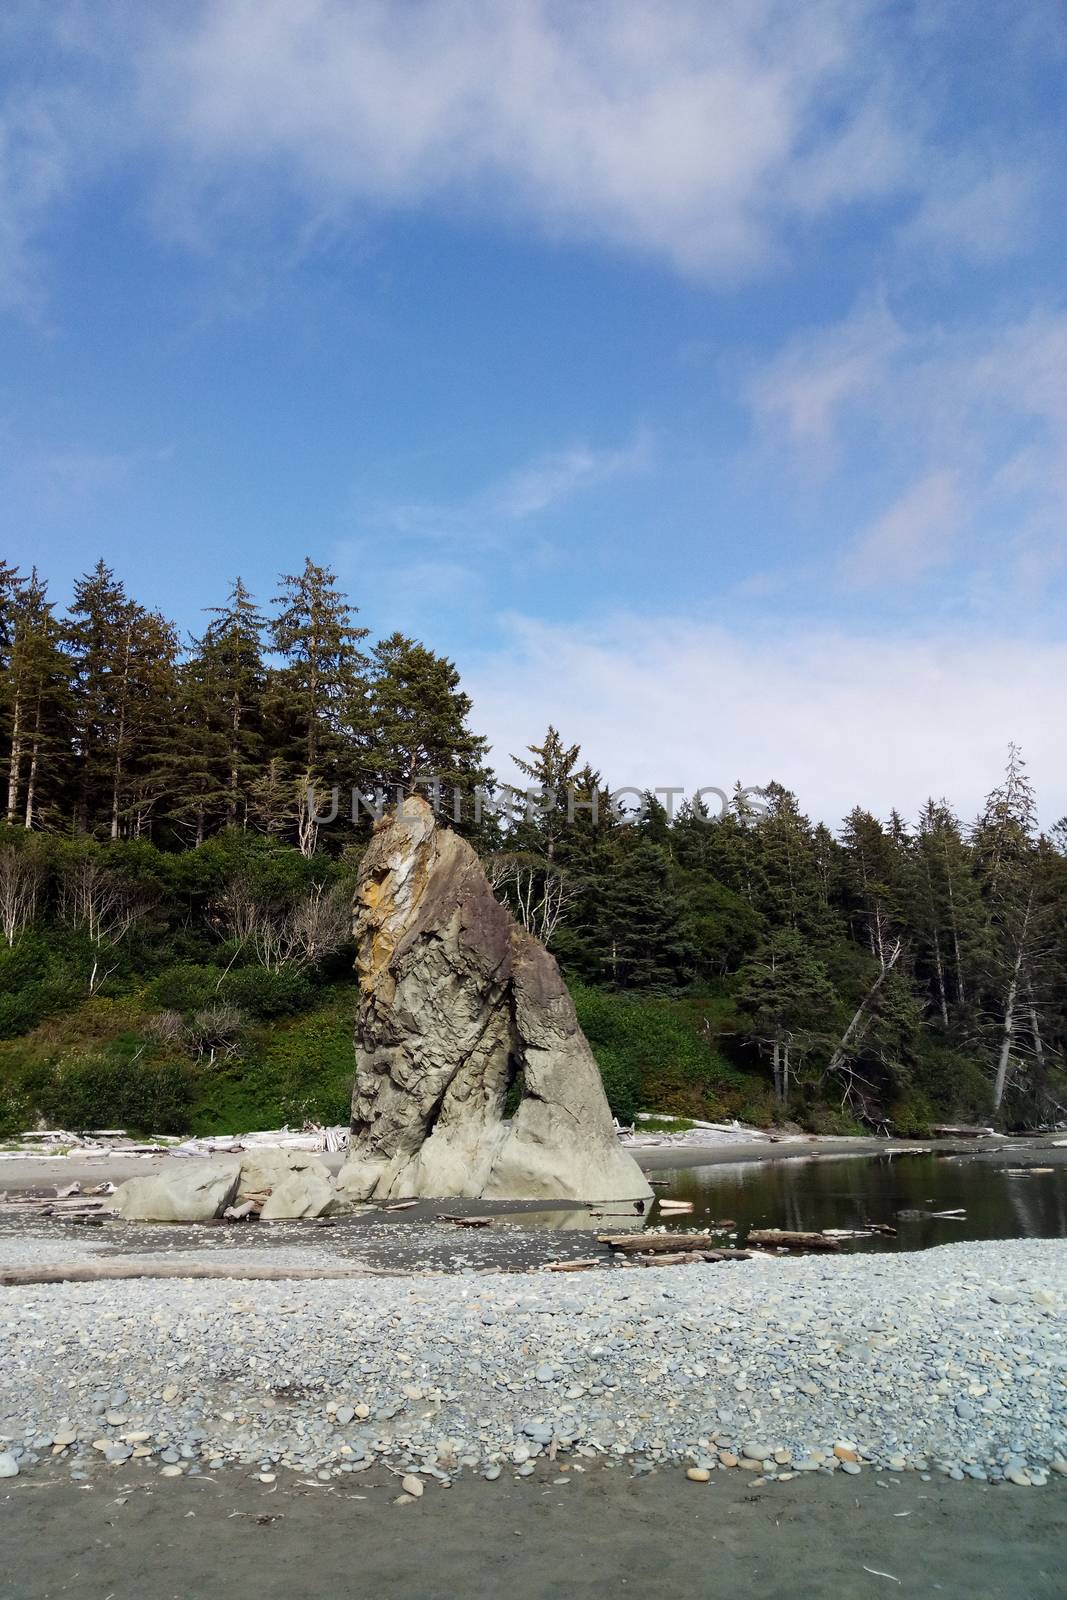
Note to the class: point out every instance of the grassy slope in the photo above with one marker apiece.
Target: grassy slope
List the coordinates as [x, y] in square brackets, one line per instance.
[97, 1065]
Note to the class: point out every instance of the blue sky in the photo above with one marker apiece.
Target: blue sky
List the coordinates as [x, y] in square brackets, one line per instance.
[693, 373]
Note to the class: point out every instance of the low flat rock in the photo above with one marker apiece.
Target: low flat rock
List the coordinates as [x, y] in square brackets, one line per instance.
[264, 1170]
[305, 1193]
[191, 1191]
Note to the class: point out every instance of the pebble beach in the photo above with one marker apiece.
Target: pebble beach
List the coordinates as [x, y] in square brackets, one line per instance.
[948, 1363]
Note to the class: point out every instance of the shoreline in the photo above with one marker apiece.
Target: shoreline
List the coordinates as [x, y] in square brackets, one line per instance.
[41, 1172]
[601, 1533]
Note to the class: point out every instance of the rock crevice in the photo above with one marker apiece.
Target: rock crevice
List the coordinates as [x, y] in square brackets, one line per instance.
[457, 1005]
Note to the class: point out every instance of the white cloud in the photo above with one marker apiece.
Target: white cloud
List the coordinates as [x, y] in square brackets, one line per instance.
[711, 136]
[841, 718]
[987, 213]
[914, 535]
[34, 173]
[803, 392]
[971, 423]
[543, 484]
[694, 132]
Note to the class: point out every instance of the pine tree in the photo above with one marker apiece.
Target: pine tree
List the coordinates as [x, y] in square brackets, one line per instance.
[642, 927]
[124, 691]
[419, 734]
[873, 862]
[35, 675]
[223, 690]
[789, 1001]
[789, 890]
[321, 685]
[1007, 859]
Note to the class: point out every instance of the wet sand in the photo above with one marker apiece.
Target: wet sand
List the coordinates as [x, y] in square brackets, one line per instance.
[602, 1534]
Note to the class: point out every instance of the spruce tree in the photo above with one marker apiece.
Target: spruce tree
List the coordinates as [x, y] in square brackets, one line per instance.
[642, 926]
[419, 733]
[788, 1001]
[320, 688]
[35, 675]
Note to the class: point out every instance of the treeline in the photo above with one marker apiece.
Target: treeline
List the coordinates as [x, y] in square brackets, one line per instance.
[112, 727]
[160, 858]
[898, 971]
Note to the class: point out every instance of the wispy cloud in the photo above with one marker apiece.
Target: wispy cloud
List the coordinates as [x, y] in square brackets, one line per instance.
[59, 479]
[706, 136]
[914, 535]
[529, 492]
[970, 422]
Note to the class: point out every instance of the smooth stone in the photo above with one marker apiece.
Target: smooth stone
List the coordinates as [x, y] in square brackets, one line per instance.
[697, 1475]
[9, 1467]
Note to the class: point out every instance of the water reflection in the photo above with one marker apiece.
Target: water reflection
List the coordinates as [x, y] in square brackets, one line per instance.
[998, 1199]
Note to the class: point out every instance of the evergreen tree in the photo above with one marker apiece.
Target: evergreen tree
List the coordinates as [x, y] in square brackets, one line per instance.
[222, 744]
[419, 733]
[1007, 860]
[547, 808]
[789, 1002]
[642, 928]
[320, 689]
[35, 677]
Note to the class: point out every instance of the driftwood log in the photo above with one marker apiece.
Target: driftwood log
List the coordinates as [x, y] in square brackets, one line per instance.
[101, 1271]
[781, 1237]
[645, 1243]
[686, 1257]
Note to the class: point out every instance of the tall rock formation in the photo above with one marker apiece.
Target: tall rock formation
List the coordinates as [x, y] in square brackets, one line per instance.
[459, 1007]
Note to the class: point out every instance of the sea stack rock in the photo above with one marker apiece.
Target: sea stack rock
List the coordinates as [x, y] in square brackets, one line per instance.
[460, 1009]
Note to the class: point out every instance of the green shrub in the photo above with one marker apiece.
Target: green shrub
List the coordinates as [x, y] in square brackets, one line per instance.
[268, 994]
[111, 1090]
[36, 981]
[653, 1058]
[301, 1070]
[184, 987]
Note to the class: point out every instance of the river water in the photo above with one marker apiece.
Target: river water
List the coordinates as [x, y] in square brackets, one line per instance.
[995, 1196]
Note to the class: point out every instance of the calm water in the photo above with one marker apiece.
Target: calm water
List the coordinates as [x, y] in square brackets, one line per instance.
[999, 1196]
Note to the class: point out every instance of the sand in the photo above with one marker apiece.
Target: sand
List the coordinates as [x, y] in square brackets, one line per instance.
[604, 1534]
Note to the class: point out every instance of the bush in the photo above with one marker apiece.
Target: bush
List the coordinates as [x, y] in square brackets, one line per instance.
[652, 1058]
[106, 1091]
[302, 1070]
[268, 994]
[35, 982]
[185, 987]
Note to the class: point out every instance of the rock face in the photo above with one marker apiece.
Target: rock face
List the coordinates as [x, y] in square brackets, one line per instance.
[459, 1007]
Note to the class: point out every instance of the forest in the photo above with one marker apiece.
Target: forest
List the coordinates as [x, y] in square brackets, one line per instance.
[174, 912]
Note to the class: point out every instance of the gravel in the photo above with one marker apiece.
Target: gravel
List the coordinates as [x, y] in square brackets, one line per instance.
[952, 1360]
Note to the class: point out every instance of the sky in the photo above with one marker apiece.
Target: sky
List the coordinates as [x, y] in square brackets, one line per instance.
[692, 373]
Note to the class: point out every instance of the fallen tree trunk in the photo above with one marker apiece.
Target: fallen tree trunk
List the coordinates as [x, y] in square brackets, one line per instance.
[108, 1271]
[643, 1243]
[793, 1241]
